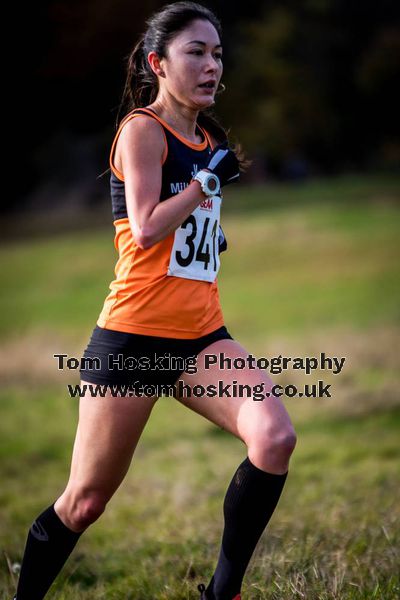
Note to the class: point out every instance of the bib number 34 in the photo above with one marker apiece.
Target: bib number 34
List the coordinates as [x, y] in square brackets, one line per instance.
[194, 253]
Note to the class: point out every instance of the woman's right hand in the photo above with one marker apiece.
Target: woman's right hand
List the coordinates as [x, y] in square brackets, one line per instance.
[224, 164]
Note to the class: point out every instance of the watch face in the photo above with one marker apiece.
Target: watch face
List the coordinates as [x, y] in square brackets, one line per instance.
[212, 184]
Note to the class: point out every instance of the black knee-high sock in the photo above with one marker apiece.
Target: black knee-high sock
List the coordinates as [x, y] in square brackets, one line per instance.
[48, 545]
[250, 500]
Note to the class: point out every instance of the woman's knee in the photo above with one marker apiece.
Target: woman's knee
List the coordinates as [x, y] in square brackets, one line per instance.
[286, 441]
[79, 509]
[274, 444]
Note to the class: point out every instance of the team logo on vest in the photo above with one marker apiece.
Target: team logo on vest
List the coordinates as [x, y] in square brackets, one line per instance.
[179, 186]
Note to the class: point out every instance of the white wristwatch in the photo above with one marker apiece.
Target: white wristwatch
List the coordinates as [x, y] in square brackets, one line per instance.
[209, 182]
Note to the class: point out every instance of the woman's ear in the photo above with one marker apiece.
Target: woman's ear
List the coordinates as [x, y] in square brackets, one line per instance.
[155, 63]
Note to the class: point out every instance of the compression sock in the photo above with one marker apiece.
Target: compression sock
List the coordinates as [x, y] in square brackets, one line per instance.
[48, 545]
[250, 500]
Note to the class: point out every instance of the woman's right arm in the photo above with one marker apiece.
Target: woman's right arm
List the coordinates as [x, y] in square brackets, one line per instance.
[141, 147]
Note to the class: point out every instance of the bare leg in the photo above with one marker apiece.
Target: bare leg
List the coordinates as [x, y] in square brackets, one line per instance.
[253, 493]
[107, 434]
[264, 426]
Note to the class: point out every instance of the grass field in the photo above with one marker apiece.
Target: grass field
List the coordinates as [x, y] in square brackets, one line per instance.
[311, 268]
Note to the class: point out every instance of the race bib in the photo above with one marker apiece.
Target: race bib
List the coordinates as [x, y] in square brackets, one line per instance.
[194, 254]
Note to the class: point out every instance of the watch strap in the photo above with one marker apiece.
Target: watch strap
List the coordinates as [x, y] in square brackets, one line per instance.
[202, 176]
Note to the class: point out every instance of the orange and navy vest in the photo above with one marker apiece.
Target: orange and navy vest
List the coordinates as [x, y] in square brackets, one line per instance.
[143, 298]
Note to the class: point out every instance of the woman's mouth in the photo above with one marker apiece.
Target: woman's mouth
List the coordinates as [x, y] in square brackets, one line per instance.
[209, 86]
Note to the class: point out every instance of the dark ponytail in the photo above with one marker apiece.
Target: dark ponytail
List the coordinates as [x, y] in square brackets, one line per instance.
[141, 84]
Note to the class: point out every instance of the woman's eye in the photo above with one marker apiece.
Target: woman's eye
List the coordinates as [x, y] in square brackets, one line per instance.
[199, 52]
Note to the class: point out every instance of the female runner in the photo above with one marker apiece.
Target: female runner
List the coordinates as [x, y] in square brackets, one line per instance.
[169, 161]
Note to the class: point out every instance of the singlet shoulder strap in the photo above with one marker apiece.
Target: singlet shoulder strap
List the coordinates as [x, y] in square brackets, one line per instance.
[134, 113]
[206, 135]
[201, 146]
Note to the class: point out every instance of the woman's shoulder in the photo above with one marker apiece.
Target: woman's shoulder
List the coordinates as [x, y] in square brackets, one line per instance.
[142, 120]
[139, 129]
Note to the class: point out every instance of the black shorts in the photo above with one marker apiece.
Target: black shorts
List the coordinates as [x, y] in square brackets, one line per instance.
[129, 358]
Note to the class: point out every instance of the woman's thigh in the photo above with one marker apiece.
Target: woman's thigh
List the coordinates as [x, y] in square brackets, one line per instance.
[108, 431]
[242, 415]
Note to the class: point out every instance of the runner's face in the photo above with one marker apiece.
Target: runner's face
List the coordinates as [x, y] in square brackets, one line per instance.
[191, 63]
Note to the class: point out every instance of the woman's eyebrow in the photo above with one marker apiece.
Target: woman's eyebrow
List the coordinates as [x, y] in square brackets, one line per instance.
[202, 43]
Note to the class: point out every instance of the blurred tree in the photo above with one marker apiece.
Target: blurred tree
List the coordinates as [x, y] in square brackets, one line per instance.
[279, 104]
[310, 83]
[308, 79]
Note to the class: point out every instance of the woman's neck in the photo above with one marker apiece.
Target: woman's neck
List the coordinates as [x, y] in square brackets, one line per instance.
[183, 121]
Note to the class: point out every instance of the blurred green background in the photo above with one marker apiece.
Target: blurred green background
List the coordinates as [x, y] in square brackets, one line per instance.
[310, 269]
[312, 266]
